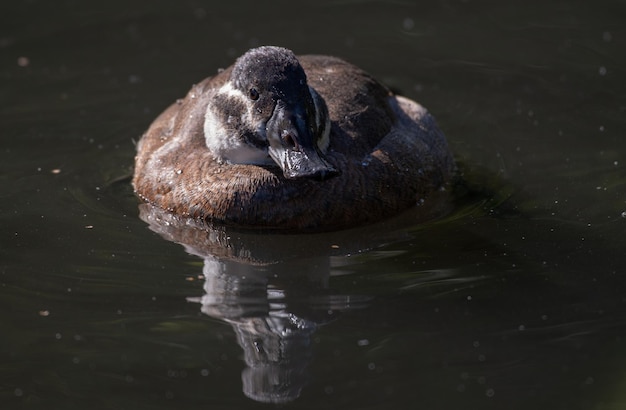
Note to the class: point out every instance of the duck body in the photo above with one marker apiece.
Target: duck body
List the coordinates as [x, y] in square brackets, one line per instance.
[306, 143]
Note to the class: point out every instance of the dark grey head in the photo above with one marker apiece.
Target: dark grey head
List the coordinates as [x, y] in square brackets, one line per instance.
[275, 114]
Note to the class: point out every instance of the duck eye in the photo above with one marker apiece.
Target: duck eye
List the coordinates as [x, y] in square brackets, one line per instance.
[253, 94]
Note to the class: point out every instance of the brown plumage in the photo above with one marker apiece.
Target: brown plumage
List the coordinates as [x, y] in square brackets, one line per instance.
[388, 150]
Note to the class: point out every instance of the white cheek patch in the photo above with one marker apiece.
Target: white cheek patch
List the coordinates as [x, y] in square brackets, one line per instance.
[216, 133]
[223, 138]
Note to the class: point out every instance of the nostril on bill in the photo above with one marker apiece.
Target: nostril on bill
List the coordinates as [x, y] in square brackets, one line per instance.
[289, 140]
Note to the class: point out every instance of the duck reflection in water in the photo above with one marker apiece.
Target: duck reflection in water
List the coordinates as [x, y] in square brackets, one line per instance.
[274, 292]
[274, 321]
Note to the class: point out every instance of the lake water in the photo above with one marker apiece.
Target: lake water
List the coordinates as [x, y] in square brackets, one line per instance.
[515, 299]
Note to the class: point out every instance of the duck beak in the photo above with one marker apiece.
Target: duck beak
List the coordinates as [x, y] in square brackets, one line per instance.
[293, 145]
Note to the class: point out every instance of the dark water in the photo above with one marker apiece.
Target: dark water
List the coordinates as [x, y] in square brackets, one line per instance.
[516, 299]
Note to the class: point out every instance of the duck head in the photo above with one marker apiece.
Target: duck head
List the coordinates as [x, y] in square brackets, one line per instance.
[266, 113]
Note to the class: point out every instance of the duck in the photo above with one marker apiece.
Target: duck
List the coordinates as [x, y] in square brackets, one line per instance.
[285, 142]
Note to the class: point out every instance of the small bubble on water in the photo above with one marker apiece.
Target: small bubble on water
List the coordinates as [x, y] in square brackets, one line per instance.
[18, 392]
[624, 214]
[363, 342]
[408, 23]
[23, 61]
[489, 392]
[602, 71]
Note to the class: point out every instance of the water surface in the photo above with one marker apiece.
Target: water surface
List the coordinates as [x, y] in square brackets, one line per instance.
[514, 299]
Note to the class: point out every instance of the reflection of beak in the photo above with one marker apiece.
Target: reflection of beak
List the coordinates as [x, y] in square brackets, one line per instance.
[293, 146]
